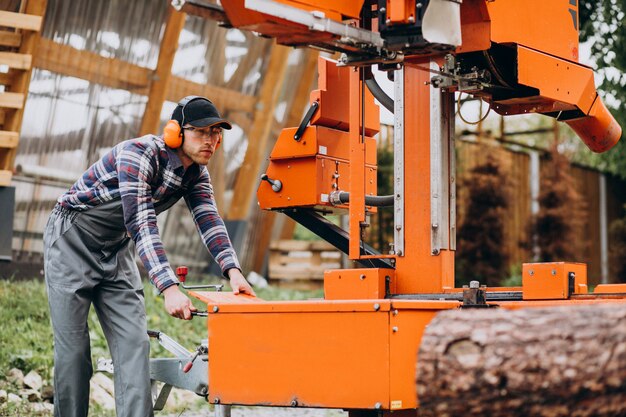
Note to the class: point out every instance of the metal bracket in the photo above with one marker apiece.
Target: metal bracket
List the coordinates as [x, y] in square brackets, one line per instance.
[159, 399]
[398, 162]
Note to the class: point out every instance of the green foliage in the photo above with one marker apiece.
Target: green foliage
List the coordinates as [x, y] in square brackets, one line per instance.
[25, 333]
[603, 23]
[515, 277]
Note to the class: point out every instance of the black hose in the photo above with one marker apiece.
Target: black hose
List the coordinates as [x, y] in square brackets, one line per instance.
[370, 200]
[377, 91]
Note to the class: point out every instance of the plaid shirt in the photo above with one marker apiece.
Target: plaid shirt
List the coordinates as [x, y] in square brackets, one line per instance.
[149, 178]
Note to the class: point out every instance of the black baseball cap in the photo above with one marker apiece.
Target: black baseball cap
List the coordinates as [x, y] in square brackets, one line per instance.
[199, 112]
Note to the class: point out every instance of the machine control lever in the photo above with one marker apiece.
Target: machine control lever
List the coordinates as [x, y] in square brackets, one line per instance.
[201, 350]
[305, 121]
[277, 185]
[181, 273]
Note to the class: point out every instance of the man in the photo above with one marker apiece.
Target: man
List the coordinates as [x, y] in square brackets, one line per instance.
[89, 257]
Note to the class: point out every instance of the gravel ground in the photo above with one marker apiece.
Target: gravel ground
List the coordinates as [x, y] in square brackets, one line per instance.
[265, 412]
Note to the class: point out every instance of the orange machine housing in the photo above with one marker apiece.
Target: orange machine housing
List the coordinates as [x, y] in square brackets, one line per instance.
[553, 280]
[318, 163]
[545, 73]
[357, 349]
[313, 167]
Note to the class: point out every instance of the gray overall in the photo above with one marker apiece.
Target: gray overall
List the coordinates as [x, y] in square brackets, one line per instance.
[89, 259]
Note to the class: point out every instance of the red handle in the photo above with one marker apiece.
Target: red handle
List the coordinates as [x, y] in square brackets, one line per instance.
[187, 366]
[182, 272]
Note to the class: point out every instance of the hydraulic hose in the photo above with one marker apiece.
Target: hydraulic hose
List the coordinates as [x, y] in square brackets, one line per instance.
[377, 91]
[343, 197]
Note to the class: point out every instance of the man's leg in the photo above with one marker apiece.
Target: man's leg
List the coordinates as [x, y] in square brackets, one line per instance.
[119, 302]
[69, 293]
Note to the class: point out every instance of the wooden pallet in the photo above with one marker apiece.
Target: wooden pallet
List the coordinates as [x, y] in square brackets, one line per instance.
[18, 41]
[301, 264]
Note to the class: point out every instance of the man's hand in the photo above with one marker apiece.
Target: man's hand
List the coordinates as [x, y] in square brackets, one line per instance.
[238, 283]
[177, 304]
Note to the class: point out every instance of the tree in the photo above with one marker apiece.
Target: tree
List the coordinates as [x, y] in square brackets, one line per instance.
[481, 252]
[562, 212]
[603, 23]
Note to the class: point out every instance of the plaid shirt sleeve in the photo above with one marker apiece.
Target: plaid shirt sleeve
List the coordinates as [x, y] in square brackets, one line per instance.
[136, 165]
[209, 223]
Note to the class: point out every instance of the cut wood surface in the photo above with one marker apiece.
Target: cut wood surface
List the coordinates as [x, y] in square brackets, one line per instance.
[560, 361]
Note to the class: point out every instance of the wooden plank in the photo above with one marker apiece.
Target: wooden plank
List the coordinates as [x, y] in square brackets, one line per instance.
[15, 60]
[10, 39]
[21, 82]
[158, 87]
[114, 73]
[259, 134]
[5, 178]
[86, 65]
[223, 98]
[2, 117]
[20, 21]
[8, 139]
[12, 100]
[6, 78]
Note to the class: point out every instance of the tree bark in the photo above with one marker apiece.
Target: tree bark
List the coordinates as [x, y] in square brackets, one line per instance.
[547, 362]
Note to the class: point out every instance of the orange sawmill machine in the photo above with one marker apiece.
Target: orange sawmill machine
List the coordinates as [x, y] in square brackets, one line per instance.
[356, 349]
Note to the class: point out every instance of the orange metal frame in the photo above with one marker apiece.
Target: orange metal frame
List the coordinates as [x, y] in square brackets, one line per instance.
[357, 349]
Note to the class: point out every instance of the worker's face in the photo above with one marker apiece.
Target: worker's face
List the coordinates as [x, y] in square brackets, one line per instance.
[200, 143]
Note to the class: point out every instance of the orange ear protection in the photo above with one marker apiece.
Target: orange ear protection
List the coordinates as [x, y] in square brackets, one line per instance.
[172, 132]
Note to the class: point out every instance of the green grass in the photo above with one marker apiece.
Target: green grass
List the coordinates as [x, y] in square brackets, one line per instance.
[26, 334]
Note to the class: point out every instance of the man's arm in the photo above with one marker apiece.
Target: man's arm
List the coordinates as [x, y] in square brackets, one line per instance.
[213, 232]
[136, 166]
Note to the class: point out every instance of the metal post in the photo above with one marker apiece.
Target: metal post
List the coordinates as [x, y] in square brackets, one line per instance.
[440, 167]
[222, 410]
[398, 162]
[604, 235]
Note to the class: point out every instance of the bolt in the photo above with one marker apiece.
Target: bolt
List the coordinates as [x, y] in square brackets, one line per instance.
[394, 329]
[388, 21]
[395, 312]
[383, 9]
[376, 307]
[411, 19]
[474, 284]
[216, 400]
[531, 272]
[216, 309]
[435, 252]
[378, 406]
[294, 403]
[398, 227]
[204, 391]
[554, 272]
[418, 6]
[362, 276]
[435, 226]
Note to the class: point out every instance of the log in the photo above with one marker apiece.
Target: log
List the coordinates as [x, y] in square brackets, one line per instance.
[559, 361]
